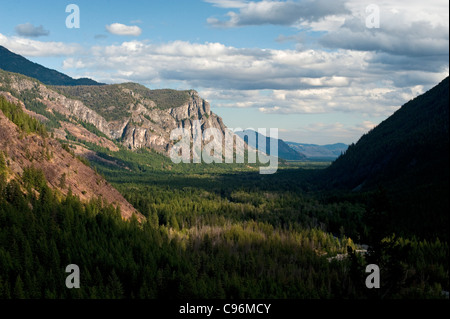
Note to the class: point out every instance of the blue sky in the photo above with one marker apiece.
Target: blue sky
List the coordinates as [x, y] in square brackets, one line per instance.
[311, 68]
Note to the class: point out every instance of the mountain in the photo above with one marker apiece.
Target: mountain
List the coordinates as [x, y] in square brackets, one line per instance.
[313, 151]
[127, 114]
[284, 151]
[137, 116]
[406, 160]
[12, 62]
[26, 150]
[413, 141]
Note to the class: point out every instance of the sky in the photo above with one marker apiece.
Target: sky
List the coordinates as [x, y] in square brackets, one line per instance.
[320, 71]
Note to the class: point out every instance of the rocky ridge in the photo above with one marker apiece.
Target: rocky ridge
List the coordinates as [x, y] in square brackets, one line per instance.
[140, 123]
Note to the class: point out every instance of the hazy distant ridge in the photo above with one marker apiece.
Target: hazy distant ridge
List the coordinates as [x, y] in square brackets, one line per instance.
[284, 151]
[319, 151]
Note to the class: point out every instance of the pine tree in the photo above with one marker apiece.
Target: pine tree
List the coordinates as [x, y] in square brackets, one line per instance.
[18, 292]
[115, 287]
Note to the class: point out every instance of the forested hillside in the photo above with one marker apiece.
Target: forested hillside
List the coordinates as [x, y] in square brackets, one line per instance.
[406, 158]
[413, 142]
[206, 235]
[27, 147]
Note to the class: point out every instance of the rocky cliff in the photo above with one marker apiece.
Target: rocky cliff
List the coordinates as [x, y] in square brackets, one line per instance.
[129, 114]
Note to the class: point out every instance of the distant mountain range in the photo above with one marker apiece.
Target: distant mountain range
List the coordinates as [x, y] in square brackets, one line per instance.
[284, 151]
[12, 62]
[319, 152]
[293, 151]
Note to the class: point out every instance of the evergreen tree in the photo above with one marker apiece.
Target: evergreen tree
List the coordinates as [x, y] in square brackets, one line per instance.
[19, 292]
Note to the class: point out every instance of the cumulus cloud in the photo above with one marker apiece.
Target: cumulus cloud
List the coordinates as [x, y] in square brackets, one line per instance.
[276, 12]
[219, 66]
[272, 81]
[411, 43]
[29, 30]
[122, 29]
[28, 47]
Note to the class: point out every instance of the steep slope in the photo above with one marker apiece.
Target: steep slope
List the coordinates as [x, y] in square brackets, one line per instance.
[404, 163]
[129, 114]
[12, 62]
[284, 151]
[25, 147]
[140, 117]
[414, 141]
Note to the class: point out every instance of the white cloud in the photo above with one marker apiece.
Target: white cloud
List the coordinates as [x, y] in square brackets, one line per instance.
[215, 65]
[71, 63]
[122, 29]
[413, 35]
[28, 47]
[273, 81]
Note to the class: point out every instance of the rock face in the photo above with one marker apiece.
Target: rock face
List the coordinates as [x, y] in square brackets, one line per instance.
[195, 108]
[151, 127]
[134, 120]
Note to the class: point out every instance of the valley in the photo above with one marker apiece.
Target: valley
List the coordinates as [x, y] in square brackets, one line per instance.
[85, 178]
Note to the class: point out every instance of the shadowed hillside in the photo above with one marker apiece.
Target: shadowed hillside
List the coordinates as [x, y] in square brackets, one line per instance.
[12, 62]
[406, 157]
